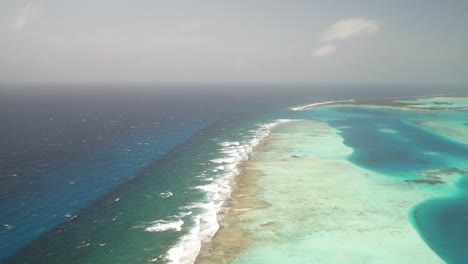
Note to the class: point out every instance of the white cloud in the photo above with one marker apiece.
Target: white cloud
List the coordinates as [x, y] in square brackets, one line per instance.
[344, 29]
[350, 27]
[324, 50]
[24, 17]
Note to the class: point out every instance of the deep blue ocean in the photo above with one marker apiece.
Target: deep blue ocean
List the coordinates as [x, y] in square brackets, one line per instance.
[131, 173]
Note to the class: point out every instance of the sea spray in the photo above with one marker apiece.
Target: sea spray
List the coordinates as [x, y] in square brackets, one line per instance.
[217, 192]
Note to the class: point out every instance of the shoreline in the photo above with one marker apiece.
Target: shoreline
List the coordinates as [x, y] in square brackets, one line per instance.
[247, 223]
[402, 103]
[241, 199]
[229, 166]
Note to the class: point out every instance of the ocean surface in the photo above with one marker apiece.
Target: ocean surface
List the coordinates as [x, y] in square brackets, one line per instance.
[139, 173]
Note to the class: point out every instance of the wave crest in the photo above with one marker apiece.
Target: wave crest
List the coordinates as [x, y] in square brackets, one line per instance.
[216, 192]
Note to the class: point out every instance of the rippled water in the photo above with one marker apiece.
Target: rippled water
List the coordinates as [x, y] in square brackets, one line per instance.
[118, 177]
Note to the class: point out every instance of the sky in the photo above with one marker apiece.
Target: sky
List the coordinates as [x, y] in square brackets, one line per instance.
[418, 41]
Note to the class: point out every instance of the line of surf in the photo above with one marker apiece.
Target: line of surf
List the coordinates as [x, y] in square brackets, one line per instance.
[306, 107]
[217, 192]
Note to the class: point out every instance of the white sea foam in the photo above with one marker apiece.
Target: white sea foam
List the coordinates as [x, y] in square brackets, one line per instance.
[162, 225]
[175, 223]
[166, 194]
[227, 144]
[187, 250]
[305, 107]
[217, 192]
[184, 214]
[213, 187]
[225, 160]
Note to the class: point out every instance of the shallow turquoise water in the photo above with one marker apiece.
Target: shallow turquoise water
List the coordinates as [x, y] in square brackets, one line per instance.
[391, 143]
[388, 142]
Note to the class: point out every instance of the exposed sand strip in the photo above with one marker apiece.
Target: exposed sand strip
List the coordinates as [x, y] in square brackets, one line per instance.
[416, 103]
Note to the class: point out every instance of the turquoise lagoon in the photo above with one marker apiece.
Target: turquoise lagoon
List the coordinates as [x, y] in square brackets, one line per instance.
[355, 184]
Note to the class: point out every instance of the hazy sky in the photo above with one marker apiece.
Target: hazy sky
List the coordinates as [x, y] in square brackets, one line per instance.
[422, 41]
